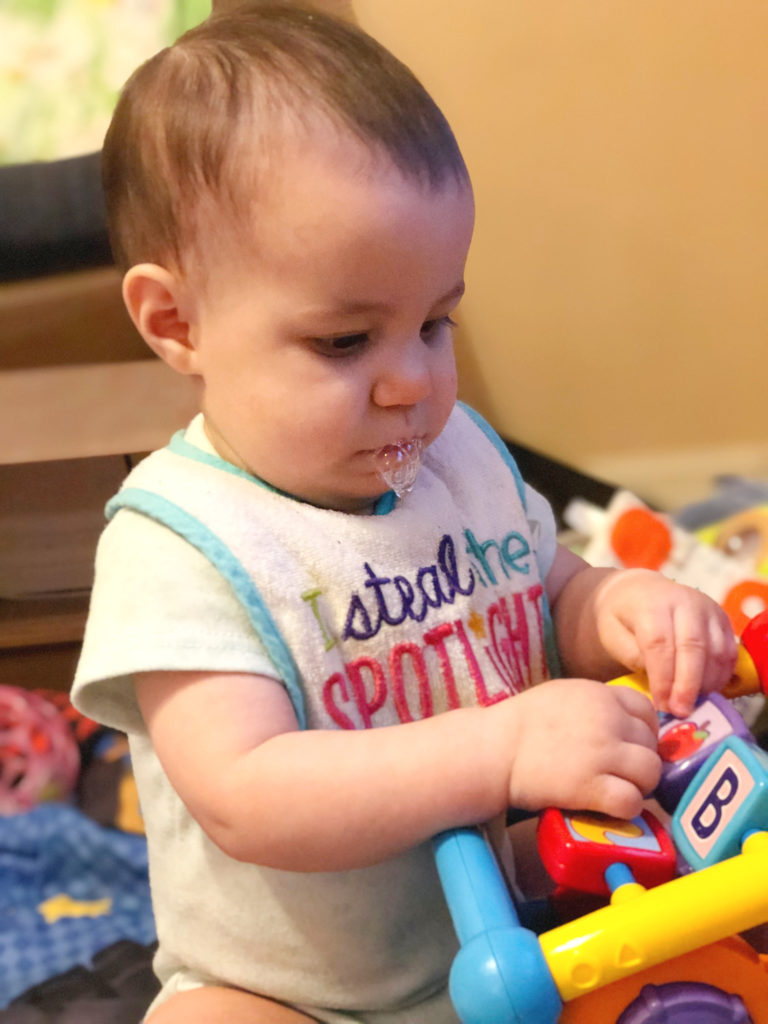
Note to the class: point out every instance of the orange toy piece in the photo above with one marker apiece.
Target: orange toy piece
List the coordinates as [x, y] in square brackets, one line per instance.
[732, 962]
[741, 598]
[641, 539]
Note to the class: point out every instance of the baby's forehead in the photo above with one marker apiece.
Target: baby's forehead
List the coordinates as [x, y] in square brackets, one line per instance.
[331, 199]
[292, 153]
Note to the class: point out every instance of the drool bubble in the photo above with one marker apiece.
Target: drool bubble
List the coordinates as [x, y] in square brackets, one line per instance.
[399, 464]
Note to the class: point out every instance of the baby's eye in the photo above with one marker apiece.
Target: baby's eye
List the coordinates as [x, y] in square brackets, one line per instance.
[344, 344]
[430, 329]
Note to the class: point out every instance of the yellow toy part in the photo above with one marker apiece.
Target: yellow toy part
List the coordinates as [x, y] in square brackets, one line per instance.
[744, 680]
[744, 535]
[635, 681]
[645, 927]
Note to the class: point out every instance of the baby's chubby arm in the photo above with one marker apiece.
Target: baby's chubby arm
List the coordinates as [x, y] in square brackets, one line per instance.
[325, 800]
[608, 621]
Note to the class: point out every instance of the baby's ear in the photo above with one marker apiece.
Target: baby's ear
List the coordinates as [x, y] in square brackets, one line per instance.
[155, 299]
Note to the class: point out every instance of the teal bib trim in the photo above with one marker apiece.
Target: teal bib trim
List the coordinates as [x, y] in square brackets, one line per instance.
[385, 503]
[180, 446]
[550, 641]
[499, 445]
[214, 549]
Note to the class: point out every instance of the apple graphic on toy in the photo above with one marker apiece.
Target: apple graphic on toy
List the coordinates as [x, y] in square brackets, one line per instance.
[682, 740]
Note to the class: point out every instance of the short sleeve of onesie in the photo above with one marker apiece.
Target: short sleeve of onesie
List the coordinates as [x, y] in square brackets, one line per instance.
[158, 604]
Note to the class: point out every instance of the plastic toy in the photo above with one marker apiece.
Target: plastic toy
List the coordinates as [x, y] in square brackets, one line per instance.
[39, 758]
[664, 949]
[727, 561]
[726, 800]
[685, 744]
[578, 849]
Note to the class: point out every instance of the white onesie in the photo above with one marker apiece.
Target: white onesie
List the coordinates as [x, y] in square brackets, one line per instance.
[367, 621]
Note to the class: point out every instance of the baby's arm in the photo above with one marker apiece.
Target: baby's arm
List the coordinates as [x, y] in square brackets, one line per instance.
[324, 800]
[608, 621]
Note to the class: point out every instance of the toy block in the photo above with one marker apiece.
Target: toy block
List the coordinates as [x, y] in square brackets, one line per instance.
[577, 849]
[685, 744]
[727, 799]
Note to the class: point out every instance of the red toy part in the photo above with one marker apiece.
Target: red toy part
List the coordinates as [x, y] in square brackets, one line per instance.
[83, 728]
[755, 639]
[576, 849]
[39, 759]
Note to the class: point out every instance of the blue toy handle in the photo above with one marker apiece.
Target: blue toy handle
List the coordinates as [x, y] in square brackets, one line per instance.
[499, 975]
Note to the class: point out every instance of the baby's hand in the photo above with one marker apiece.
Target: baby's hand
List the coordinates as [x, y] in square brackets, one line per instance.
[679, 636]
[580, 745]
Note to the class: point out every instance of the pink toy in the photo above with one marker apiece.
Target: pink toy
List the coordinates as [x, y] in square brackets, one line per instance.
[39, 758]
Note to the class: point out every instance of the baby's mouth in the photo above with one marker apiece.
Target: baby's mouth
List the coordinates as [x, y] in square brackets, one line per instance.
[398, 464]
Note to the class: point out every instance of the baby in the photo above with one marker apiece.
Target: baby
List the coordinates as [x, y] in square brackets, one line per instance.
[327, 612]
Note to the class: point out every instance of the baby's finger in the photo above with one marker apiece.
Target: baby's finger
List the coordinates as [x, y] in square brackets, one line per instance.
[641, 732]
[612, 795]
[641, 766]
[656, 642]
[677, 655]
[723, 650]
[640, 709]
[705, 656]
[690, 667]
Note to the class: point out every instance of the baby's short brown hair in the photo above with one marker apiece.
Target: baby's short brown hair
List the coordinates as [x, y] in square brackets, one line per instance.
[177, 135]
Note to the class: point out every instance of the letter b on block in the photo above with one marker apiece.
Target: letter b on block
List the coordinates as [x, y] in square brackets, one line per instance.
[707, 820]
[727, 798]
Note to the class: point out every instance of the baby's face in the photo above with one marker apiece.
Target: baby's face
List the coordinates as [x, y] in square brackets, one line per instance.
[330, 339]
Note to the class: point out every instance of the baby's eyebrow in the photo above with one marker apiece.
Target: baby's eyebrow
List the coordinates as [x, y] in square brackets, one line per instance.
[453, 295]
[347, 308]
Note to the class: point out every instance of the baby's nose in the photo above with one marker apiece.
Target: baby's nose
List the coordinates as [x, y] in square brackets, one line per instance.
[405, 377]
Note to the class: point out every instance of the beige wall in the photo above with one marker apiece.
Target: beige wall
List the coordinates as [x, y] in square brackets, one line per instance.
[617, 300]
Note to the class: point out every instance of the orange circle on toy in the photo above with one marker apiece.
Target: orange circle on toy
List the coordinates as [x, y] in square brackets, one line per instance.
[744, 603]
[640, 539]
